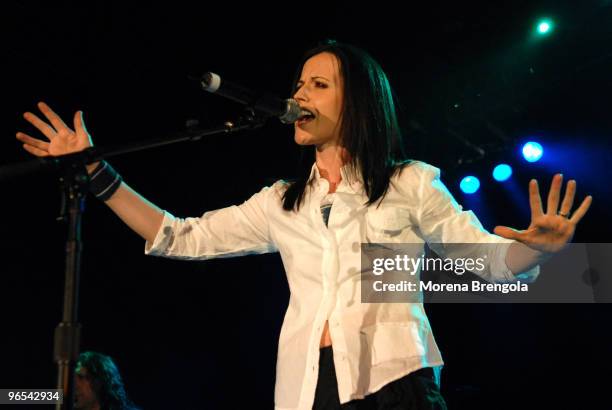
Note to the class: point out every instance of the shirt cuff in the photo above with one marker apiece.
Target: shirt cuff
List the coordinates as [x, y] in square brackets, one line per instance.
[527, 276]
[164, 237]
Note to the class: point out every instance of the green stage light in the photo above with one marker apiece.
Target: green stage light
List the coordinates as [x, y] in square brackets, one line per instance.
[545, 26]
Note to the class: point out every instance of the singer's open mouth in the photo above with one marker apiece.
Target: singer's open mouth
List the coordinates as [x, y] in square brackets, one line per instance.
[304, 120]
[307, 117]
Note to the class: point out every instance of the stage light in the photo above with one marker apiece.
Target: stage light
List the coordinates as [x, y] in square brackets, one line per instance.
[469, 184]
[502, 172]
[532, 151]
[545, 26]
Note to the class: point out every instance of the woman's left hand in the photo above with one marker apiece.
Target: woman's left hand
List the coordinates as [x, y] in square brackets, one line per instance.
[551, 231]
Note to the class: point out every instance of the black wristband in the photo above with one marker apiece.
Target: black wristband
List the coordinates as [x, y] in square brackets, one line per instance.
[104, 181]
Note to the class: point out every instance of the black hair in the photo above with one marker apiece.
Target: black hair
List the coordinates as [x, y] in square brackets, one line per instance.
[105, 381]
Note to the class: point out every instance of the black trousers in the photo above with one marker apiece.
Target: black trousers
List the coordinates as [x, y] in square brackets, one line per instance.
[415, 391]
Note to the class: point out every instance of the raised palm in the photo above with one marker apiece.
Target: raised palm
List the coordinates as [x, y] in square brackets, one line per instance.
[549, 231]
[61, 139]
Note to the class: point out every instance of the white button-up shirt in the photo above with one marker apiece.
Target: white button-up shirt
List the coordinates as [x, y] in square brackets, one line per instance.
[373, 343]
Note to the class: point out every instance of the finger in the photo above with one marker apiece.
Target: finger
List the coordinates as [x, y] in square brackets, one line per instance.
[568, 200]
[79, 125]
[582, 209]
[35, 142]
[56, 121]
[506, 232]
[535, 201]
[35, 151]
[554, 194]
[47, 130]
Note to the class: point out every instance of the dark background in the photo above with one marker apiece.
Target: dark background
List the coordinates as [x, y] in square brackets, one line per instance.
[190, 335]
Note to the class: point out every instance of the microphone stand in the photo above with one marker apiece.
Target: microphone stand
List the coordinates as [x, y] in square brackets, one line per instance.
[74, 182]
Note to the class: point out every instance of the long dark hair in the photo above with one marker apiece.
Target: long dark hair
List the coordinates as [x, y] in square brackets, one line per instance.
[369, 128]
[106, 381]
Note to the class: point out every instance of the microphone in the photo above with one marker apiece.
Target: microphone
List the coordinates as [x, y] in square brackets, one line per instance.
[288, 111]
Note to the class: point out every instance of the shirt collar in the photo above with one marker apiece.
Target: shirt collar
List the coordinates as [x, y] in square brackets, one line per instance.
[350, 183]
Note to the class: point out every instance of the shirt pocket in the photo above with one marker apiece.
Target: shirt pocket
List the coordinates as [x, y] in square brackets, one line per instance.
[386, 224]
[393, 341]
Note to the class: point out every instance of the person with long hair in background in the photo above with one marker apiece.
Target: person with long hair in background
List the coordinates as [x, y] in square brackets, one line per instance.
[98, 384]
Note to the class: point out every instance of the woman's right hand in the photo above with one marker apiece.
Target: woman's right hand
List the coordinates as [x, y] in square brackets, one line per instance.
[139, 214]
[62, 139]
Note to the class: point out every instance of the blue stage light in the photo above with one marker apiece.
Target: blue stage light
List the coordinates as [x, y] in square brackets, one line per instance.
[469, 184]
[532, 151]
[502, 172]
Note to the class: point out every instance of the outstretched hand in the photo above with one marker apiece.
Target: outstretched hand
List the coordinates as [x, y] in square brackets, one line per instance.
[549, 232]
[61, 138]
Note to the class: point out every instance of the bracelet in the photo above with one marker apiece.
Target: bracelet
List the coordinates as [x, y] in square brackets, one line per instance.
[104, 181]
